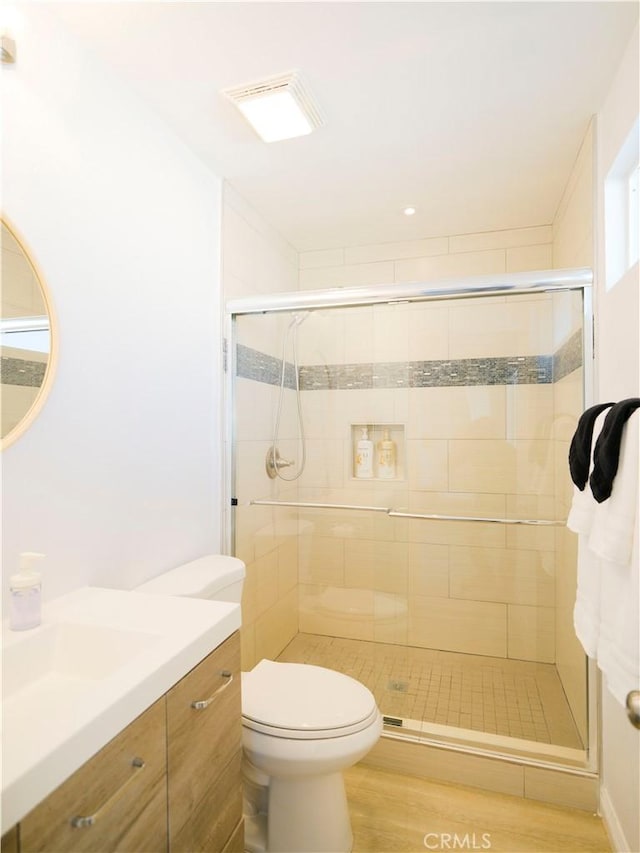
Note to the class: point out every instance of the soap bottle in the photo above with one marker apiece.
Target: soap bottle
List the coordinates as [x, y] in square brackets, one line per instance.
[386, 457]
[25, 601]
[364, 456]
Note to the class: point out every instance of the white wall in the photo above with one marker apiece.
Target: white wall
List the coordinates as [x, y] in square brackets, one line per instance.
[617, 351]
[118, 478]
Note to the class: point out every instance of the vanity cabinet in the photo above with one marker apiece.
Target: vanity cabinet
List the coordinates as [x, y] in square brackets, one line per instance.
[170, 781]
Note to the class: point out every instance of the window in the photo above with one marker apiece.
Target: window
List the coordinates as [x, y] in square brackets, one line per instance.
[621, 210]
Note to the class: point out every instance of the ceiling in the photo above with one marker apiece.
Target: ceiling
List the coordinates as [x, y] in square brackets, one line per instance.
[473, 113]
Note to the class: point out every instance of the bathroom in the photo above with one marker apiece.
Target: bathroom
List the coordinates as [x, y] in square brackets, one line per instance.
[124, 473]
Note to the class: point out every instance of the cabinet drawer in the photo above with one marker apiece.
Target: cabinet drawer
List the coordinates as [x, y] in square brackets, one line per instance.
[128, 802]
[204, 752]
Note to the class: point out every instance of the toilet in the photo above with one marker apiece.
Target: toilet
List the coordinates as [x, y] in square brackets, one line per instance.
[302, 725]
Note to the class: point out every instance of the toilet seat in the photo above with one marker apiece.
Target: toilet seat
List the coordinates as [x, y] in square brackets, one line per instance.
[304, 702]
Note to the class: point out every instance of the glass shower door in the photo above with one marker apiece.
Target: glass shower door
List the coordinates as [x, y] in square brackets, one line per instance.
[448, 587]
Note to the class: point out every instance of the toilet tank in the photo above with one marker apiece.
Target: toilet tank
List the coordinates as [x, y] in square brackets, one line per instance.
[215, 577]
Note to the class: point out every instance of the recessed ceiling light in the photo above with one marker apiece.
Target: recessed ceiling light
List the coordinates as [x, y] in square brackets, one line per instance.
[409, 211]
[277, 108]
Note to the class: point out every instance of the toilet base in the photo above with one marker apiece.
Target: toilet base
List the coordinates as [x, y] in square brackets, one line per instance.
[255, 833]
[308, 814]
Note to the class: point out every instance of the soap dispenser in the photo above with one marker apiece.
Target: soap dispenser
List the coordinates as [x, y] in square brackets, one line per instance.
[386, 457]
[364, 456]
[25, 602]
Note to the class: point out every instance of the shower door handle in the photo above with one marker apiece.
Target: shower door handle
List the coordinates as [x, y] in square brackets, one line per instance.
[633, 708]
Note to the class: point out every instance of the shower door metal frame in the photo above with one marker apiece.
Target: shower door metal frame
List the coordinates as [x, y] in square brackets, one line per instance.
[426, 291]
[470, 287]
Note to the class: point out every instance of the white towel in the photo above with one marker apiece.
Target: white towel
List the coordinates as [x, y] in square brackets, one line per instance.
[618, 646]
[586, 612]
[614, 540]
[614, 521]
[606, 613]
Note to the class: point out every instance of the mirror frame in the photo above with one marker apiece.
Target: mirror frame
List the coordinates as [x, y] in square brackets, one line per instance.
[47, 381]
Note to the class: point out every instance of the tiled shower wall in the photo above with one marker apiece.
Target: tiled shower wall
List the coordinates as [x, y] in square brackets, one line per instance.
[437, 257]
[471, 587]
[256, 260]
[476, 449]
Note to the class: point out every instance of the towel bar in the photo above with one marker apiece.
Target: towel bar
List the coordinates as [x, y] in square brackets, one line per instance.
[398, 514]
[432, 517]
[305, 505]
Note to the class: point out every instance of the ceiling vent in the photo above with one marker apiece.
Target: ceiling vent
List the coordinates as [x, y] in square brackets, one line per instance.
[279, 107]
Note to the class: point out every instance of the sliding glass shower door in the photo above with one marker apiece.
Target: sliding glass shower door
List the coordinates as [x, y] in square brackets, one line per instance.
[446, 581]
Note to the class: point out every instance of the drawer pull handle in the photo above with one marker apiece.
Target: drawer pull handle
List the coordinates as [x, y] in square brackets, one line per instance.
[88, 820]
[201, 704]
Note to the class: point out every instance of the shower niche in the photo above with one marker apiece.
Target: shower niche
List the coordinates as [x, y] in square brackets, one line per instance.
[387, 445]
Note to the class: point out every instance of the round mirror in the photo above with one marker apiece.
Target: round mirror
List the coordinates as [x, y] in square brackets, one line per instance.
[27, 341]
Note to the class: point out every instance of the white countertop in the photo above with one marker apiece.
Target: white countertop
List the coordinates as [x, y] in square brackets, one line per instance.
[100, 658]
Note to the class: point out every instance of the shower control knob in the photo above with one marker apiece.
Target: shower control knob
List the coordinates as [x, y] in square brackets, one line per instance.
[274, 463]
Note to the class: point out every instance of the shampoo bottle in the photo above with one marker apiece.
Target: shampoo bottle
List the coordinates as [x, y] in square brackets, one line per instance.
[364, 456]
[25, 594]
[386, 457]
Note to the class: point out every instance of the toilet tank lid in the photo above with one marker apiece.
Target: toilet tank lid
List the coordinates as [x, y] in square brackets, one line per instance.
[201, 578]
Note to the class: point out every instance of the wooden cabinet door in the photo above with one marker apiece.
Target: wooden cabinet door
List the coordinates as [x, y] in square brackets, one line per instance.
[204, 735]
[128, 801]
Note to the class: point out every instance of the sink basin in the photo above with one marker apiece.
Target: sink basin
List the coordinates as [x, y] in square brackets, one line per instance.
[69, 651]
[100, 658]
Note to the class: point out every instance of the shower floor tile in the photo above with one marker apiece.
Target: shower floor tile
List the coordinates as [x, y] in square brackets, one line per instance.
[520, 699]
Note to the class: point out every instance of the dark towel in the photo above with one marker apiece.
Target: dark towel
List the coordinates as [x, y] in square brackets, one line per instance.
[607, 452]
[580, 450]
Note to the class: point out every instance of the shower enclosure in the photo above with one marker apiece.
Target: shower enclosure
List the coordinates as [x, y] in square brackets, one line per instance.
[448, 589]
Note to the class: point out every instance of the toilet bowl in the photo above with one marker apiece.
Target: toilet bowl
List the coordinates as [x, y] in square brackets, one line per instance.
[302, 725]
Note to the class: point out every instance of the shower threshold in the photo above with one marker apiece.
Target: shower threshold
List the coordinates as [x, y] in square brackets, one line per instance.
[483, 743]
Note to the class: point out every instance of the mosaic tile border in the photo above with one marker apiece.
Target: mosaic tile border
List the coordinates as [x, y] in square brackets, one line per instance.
[253, 364]
[529, 370]
[569, 357]
[20, 371]
[517, 370]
